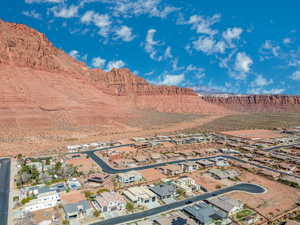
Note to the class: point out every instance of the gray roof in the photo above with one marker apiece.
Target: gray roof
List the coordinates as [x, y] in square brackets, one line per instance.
[204, 213]
[75, 207]
[225, 203]
[164, 189]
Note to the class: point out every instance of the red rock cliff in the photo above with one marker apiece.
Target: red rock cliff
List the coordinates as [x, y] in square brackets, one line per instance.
[258, 103]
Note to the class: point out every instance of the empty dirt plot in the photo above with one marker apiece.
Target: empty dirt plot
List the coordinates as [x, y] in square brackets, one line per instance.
[254, 134]
[249, 121]
[278, 198]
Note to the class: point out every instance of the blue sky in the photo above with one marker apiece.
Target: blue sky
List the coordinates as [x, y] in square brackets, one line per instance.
[249, 47]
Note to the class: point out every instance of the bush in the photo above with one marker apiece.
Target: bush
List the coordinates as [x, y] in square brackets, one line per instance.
[129, 206]
[96, 213]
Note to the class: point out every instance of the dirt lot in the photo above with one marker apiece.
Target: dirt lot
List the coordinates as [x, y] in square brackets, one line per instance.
[43, 142]
[84, 164]
[152, 174]
[250, 121]
[254, 134]
[206, 181]
[276, 200]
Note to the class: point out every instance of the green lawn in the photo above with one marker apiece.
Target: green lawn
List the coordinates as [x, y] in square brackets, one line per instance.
[243, 213]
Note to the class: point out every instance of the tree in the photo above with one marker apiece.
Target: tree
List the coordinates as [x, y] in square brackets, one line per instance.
[96, 213]
[66, 222]
[129, 206]
[180, 192]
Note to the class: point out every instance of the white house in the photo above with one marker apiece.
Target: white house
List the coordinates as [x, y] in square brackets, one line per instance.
[43, 201]
[129, 177]
[140, 195]
[110, 201]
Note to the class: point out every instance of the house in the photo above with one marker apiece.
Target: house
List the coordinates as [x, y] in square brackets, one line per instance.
[188, 184]
[140, 195]
[164, 191]
[205, 214]
[228, 205]
[43, 200]
[206, 163]
[141, 158]
[287, 166]
[73, 184]
[129, 177]
[171, 169]
[155, 156]
[110, 201]
[269, 173]
[223, 174]
[78, 210]
[189, 166]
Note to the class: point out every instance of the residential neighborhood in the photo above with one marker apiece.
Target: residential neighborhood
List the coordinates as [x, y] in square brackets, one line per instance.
[97, 182]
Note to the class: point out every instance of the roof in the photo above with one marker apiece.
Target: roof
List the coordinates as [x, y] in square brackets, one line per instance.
[164, 189]
[205, 213]
[107, 197]
[225, 203]
[74, 207]
[137, 191]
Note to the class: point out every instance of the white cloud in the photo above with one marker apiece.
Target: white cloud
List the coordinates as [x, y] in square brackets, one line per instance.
[125, 33]
[172, 79]
[33, 14]
[243, 62]
[43, 1]
[115, 64]
[102, 21]
[76, 55]
[203, 25]
[242, 66]
[197, 72]
[296, 75]
[150, 45]
[87, 17]
[129, 8]
[261, 81]
[232, 34]
[168, 53]
[64, 11]
[287, 41]
[268, 48]
[98, 62]
[273, 91]
[209, 46]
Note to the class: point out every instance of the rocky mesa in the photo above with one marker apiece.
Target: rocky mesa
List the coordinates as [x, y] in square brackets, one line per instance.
[256, 103]
[41, 86]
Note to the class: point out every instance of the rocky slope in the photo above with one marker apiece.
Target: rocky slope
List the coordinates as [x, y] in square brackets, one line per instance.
[41, 86]
[256, 103]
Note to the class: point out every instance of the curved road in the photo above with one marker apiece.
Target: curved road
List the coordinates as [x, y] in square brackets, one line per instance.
[4, 189]
[108, 169]
[250, 188]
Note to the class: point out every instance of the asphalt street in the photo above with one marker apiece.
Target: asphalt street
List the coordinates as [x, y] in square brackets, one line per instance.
[4, 189]
[106, 168]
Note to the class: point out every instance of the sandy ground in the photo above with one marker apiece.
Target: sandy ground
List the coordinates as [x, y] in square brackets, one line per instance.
[254, 134]
[33, 142]
[277, 199]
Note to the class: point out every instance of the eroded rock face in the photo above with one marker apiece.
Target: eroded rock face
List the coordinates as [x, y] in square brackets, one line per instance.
[124, 82]
[258, 103]
[41, 86]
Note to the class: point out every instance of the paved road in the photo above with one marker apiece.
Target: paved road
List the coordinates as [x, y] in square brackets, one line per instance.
[250, 188]
[281, 146]
[106, 168]
[4, 189]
